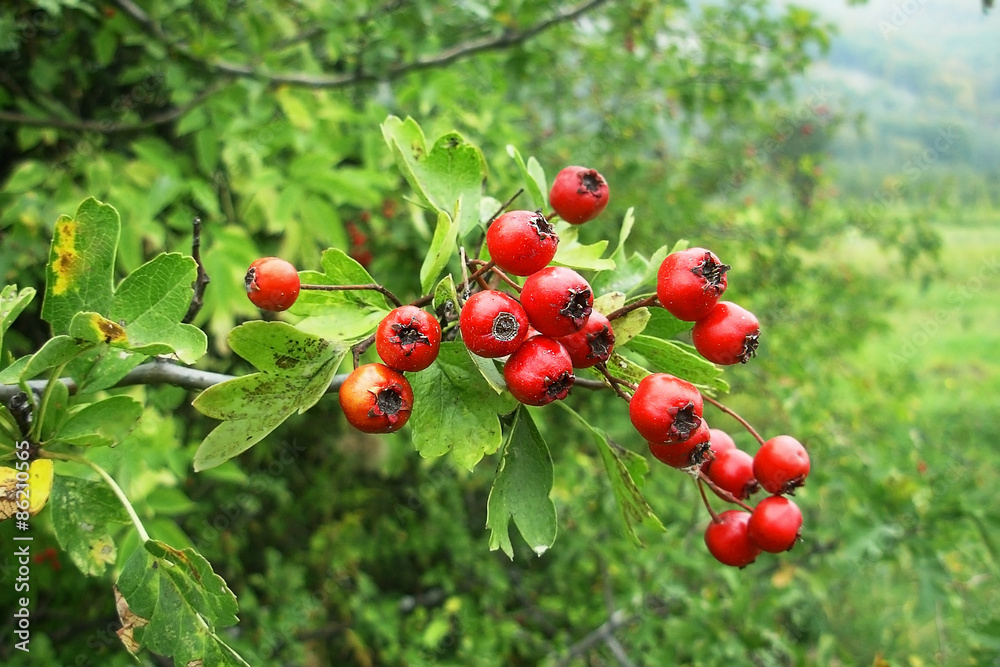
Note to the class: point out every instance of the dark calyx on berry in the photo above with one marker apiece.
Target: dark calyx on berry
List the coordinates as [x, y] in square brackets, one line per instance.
[558, 389]
[750, 344]
[685, 422]
[578, 306]
[600, 344]
[408, 336]
[505, 327]
[712, 272]
[250, 280]
[542, 226]
[591, 182]
[389, 403]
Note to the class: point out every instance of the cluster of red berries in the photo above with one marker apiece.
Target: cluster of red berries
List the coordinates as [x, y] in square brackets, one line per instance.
[548, 327]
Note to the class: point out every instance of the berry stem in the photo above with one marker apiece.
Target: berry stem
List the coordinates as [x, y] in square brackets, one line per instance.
[497, 272]
[735, 416]
[343, 288]
[635, 305]
[704, 499]
[725, 495]
[360, 348]
[615, 383]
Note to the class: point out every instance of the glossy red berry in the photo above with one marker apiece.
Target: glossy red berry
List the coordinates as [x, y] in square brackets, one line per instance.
[665, 409]
[775, 524]
[691, 452]
[272, 284]
[558, 301]
[592, 344]
[727, 539]
[781, 465]
[493, 324]
[727, 335]
[376, 399]
[578, 194]
[522, 242]
[408, 339]
[732, 471]
[539, 372]
[690, 282]
[721, 441]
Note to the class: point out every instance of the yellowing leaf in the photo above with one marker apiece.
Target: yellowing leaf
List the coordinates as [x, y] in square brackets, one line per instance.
[34, 491]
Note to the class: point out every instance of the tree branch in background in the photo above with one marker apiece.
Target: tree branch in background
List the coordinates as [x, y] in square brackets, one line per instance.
[202, 280]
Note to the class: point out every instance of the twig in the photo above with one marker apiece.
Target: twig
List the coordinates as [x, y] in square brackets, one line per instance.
[606, 630]
[345, 288]
[735, 416]
[202, 280]
[725, 495]
[704, 498]
[613, 381]
[635, 305]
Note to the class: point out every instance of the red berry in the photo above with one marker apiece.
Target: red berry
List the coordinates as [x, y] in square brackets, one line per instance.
[727, 335]
[727, 540]
[592, 344]
[376, 399]
[578, 194]
[522, 242]
[781, 465]
[539, 372]
[272, 284]
[408, 339]
[689, 453]
[732, 471]
[775, 524]
[558, 301]
[690, 282]
[720, 442]
[665, 409]
[493, 324]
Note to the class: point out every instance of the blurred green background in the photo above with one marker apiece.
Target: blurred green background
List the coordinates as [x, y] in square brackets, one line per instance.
[844, 159]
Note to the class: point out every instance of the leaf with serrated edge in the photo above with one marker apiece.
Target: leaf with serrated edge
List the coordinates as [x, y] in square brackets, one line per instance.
[12, 304]
[152, 301]
[102, 424]
[626, 470]
[184, 605]
[81, 264]
[84, 513]
[521, 490]
[665, 356]
[295, 371]
[531, 185]
[457, 409]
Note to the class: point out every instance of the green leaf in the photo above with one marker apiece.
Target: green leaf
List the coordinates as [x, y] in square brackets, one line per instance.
[94, 328]
[173, 603]
[348, 315]
[84, 513]
[12, 304]
[55, 352]
[102, 424]
[26, 176]
[152, 301]
[534, 179]
[629, 326]
[627, 471]
[625, 369]
[576, 255]
[664, 325]
[441, 250]
[445, 299]
[102, 367]
[521, 490]
[448, 177]
[296, 370]
[455, 409]
[667, 356]
[81, 264]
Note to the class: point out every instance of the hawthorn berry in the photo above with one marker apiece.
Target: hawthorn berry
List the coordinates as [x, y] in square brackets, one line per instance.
[727, 335]
[408, 339]
[493, 324]
[522, 242]
[732, 471]
[690, 282]
[592, 344]
[557, 300]
[539, 372]
[272, 284]
[775, 524]
[691, 452]
[376, 399]
[720, 442]
[665, 409]
[781, 465]
[578, 194]
[727, 540]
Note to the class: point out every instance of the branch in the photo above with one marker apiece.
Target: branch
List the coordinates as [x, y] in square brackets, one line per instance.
[445, 57]
[602, 634]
